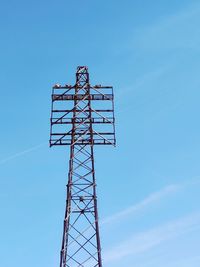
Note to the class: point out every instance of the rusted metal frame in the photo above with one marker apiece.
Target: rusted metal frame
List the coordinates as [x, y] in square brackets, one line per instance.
[86, 197]
[81, 150]
[102, 137]
[94, 189]
[53, 111]
[71, 225]
[66, 227]
[71, 110]
[74, 131]
[86, 174]
[66, 111]
[82, 164]
[80, 154]
[84, 231]
[113, 108]
[81, 110]
[69, 121]
[51, 125]
[69, 193]
[97, 242]
[99, 141]
[83, 169]
[65, 142]
[83, 189]
[69, 132]
[100, 115]
[63, 255]
[78, 209]
[88, 260]
[82, 177]
[86, 204]
[92, 97]
[83, 208]
[86, 132]
[82, 186]
[58, 140]
[86, 211]
[67, 218]
[80, 264]
[61, 121]
[93, 88]
[83, 141]
[94, 228]
[101, 86]
[62, 117]
[81, 235]
[80, 124]
[81, 137]
[81, 134]
[63, 87]
[59, 95]
[82, 247]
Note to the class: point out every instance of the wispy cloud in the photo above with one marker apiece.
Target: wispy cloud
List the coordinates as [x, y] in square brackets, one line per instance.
[152, 199]
[191, 261]
[147, 240]
[149, 200]
[141, 81]
[22, 153]
[171, 32]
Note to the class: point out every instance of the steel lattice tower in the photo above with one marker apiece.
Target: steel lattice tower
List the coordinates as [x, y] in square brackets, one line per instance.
[78, 115]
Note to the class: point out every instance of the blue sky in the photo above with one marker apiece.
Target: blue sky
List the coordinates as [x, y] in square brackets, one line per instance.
[149, 185]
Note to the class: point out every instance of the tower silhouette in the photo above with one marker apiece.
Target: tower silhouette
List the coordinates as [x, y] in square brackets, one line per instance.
[82, 116]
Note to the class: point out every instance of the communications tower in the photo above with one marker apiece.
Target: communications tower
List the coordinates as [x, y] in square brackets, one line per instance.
[82, 116]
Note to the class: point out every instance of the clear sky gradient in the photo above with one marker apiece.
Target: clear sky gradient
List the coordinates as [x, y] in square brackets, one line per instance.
[149, 186]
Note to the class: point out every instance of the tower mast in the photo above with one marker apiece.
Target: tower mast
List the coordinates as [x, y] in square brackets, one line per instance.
[78, 124]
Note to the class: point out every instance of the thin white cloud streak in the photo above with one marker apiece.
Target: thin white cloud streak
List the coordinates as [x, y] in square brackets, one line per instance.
[147, 240]
[151, 199]
[141, 81]
[168, 32]
[163, 35]
[22, 153]
[192, 261]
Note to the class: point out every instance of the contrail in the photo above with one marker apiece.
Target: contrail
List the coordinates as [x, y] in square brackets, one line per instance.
[147, 240]
[2, 161]
[152, 198]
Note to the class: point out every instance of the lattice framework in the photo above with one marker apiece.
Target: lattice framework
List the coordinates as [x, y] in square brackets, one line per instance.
[80, 126]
